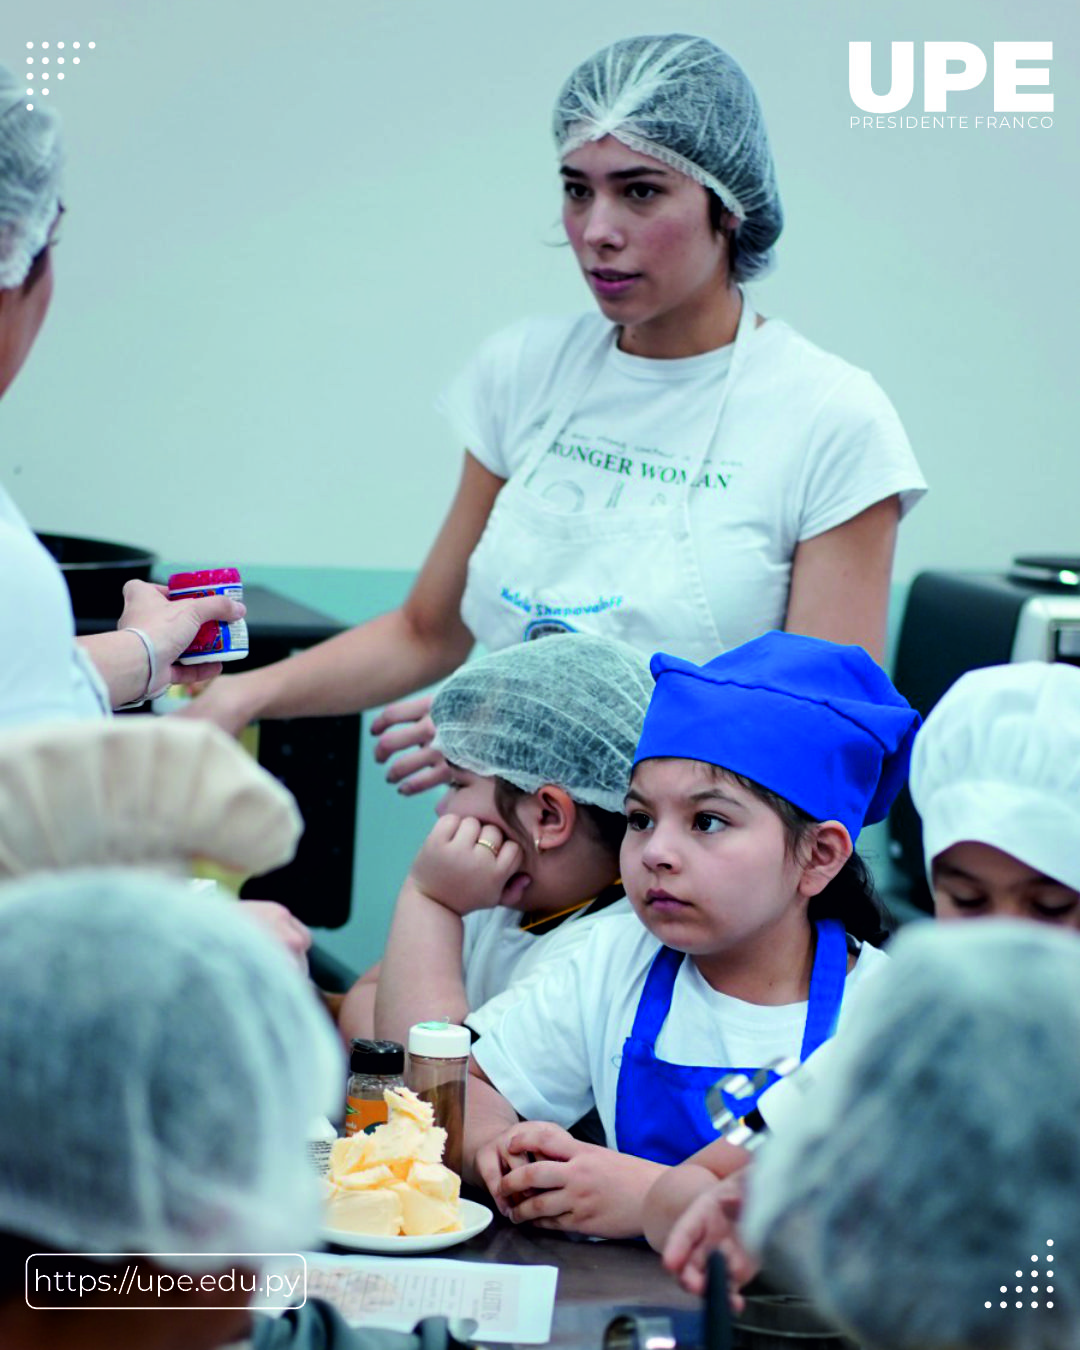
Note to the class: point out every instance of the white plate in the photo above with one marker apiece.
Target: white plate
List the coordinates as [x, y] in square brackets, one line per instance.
[474, 1219]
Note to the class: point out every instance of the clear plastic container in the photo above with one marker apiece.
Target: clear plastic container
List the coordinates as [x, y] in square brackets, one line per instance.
[438, 1072]
[374, 1067]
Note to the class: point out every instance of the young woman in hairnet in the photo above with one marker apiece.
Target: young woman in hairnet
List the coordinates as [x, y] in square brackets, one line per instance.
[524, 859]
[670, 468]
[45, 672]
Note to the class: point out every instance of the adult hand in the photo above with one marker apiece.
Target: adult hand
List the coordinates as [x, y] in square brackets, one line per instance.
[711, 1224]
[222, 701]
[399, 726]
[555, 1181]
[171, 625]
[465, 866]
[283, 925]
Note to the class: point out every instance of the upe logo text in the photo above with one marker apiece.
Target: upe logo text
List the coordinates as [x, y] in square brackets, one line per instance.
[969, 69]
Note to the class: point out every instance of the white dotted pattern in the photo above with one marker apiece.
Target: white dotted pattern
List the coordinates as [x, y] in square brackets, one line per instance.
[1034, 1288]
[45, 61]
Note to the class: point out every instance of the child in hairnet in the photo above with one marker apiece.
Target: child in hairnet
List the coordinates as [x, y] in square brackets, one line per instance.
[524, 858]
[995, 779]
[926, 1196]
[752, 779]
[162, 1112]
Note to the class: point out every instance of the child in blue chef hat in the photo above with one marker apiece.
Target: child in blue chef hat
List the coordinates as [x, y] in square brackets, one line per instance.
[753, 776]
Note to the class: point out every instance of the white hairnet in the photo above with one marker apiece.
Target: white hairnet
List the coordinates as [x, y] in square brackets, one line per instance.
[155, 791]
[565, 709]
[687, 103]
[998, 762]
[29, 179]
[941, 1153]
[160, 1061]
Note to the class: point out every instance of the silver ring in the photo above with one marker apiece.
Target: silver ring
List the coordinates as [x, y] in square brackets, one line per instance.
[486, 843]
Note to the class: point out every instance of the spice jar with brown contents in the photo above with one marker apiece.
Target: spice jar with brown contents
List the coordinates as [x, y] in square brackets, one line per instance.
[375, 1066]
[438, 1071]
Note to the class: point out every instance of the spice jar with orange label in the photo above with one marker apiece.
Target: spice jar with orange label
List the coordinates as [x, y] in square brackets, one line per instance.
[374, 1066]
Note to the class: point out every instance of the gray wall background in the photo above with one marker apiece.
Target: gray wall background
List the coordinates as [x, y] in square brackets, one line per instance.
[289, 224]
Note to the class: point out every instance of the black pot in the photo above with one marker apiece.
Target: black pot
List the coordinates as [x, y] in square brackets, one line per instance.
[95, 571]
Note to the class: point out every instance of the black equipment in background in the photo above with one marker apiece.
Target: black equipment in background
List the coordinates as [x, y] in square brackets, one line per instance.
[317, 758]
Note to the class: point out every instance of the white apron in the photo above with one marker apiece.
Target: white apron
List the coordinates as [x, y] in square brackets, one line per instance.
[630, 574]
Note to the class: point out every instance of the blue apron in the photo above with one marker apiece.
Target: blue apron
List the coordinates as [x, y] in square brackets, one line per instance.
[660, 1111]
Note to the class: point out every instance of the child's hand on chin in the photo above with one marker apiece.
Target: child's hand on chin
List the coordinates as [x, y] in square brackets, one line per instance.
[465, 865]
[556, 1181]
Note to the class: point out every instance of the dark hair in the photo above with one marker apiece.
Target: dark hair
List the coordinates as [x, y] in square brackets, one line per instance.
[720, 220]
[850, 896]
[607, 826]
[37, 270]
[40, 260]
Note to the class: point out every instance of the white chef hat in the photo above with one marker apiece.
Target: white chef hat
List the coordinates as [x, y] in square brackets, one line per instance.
[154, 791]
[998, 762]
[161, 1060]
[941, 1150]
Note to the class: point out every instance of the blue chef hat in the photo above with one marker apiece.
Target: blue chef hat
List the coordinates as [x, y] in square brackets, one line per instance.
[819, 724]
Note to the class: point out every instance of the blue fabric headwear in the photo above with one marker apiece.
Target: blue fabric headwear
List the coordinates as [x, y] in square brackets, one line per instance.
[817, 723]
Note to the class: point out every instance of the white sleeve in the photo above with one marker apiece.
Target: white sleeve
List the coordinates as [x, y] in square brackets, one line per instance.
[537, 1053]
[556, 946]
[781, 1104]
[40, 669]
[478, 401]
[859, 454]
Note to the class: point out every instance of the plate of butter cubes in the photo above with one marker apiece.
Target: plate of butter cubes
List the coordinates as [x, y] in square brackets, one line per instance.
[389, 1191]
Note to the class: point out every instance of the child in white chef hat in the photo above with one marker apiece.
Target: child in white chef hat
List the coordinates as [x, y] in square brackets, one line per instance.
[995, 776]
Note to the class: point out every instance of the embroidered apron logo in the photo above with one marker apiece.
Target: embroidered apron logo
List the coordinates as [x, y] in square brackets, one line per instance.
[541, 611]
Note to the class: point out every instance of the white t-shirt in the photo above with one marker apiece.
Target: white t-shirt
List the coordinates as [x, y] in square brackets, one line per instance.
[556, 1053]
[781, 1105]
[806, 442]
[502, 963]
[43, 674]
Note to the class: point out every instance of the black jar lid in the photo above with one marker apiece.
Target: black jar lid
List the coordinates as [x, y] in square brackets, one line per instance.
[377, 1057]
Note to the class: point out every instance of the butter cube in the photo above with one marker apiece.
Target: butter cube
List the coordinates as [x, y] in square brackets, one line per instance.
[423, 1215]
[435, 1180]
[401, 1141]
[366, 1179]
[404, 1102]
[377, 1213]
[349, 1154]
